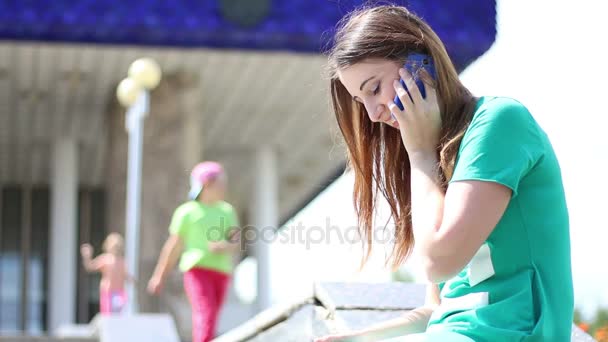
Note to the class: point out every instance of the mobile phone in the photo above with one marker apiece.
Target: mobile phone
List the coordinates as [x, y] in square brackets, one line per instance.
[415, 63]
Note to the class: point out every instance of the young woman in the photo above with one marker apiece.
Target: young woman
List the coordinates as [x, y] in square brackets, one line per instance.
[474, 182]
[203, 231]
[114, 275]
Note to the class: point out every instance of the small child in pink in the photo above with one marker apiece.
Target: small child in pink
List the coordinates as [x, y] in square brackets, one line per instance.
[111, 264]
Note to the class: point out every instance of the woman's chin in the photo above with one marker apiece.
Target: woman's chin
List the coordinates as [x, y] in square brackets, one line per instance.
[394, 125]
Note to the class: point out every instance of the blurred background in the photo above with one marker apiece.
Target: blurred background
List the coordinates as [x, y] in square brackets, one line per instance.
[243, 84]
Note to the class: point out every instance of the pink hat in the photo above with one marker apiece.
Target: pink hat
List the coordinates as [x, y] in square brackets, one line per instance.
[201, 174]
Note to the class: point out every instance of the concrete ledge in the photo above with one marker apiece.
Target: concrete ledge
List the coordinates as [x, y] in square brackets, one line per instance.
[337, 308]
[141, 327]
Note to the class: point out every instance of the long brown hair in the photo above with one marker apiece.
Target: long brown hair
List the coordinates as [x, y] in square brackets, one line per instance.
[374, 150]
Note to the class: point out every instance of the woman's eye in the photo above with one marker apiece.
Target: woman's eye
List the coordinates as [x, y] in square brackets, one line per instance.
[376, 90]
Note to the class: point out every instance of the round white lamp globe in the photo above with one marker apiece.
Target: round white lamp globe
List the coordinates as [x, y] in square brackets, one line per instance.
[127, 92]
[146, 72]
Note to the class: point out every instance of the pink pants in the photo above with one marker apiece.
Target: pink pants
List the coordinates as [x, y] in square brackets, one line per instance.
[112, 301]
[206, 290]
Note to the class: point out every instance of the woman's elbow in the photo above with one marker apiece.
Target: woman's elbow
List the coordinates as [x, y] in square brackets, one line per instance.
[438, 270]
[173, 244]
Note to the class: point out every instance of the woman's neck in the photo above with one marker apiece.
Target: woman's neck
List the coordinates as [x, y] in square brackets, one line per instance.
[207, 201]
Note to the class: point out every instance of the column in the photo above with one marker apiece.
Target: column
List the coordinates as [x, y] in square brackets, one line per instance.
[63, 249]
[264, 215]
[192, 125]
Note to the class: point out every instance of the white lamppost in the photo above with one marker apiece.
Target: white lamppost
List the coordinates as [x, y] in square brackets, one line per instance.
[133, 93]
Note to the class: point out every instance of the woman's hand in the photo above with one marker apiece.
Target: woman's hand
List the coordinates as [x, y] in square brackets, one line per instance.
[335, 338]
[155, 285]
[231, 245]
[86, 251]
[217, 246]
[414, 321]
[420, 121]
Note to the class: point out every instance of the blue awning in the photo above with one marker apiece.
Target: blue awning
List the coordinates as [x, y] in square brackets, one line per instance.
[467, 27]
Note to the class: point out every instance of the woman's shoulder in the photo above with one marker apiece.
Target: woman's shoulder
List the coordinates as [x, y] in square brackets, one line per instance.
[226, 207]
[186, 207]
[499, 105]
[502, 111]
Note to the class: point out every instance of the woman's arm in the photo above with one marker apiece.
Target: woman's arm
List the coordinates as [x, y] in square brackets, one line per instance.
[231, 245]
[449, 229]
[427, 198]
[414, 321]
[90, 264]
[169, 255]
[167, 260]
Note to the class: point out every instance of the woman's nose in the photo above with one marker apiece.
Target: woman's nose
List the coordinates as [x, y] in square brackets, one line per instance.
[375, 112]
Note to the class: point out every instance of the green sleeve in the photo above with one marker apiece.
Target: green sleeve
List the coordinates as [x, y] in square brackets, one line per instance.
[179, 224]
[502, 144]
